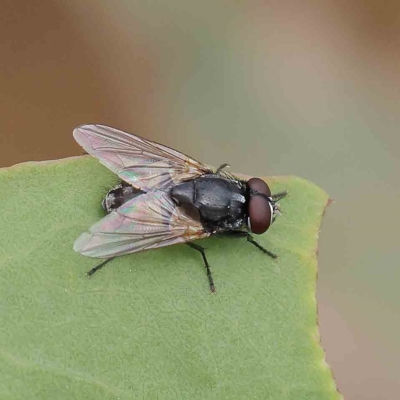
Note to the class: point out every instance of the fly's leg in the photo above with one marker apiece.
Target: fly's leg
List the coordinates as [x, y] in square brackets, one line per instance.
[101, 265]
[207, 265]
[264, 250]
[251, 240]
[221, 167]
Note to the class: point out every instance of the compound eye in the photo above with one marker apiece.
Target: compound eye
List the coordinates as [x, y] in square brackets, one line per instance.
[260, 209]
[260, 186]
[260, 214]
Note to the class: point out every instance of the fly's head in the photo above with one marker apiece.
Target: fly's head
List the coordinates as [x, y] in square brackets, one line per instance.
[262, 208]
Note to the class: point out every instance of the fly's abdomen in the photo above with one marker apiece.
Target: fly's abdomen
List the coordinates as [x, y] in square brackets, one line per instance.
[119, 195]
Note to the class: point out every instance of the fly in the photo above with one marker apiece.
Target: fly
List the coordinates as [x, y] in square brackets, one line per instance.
[166, 197]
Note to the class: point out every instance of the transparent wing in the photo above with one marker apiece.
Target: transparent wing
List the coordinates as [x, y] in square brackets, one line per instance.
[140, 162]
[146, 222]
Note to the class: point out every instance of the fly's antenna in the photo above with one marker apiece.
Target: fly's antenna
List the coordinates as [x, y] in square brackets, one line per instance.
[278, 196]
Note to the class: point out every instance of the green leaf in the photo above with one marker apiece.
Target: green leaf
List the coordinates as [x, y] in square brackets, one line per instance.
[146, 326]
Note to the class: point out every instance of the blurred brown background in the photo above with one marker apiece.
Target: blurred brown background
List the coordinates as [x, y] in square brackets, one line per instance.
[311, 89]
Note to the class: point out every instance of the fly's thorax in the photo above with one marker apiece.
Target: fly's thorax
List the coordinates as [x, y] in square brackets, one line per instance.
[221, 202]
[184, 193]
